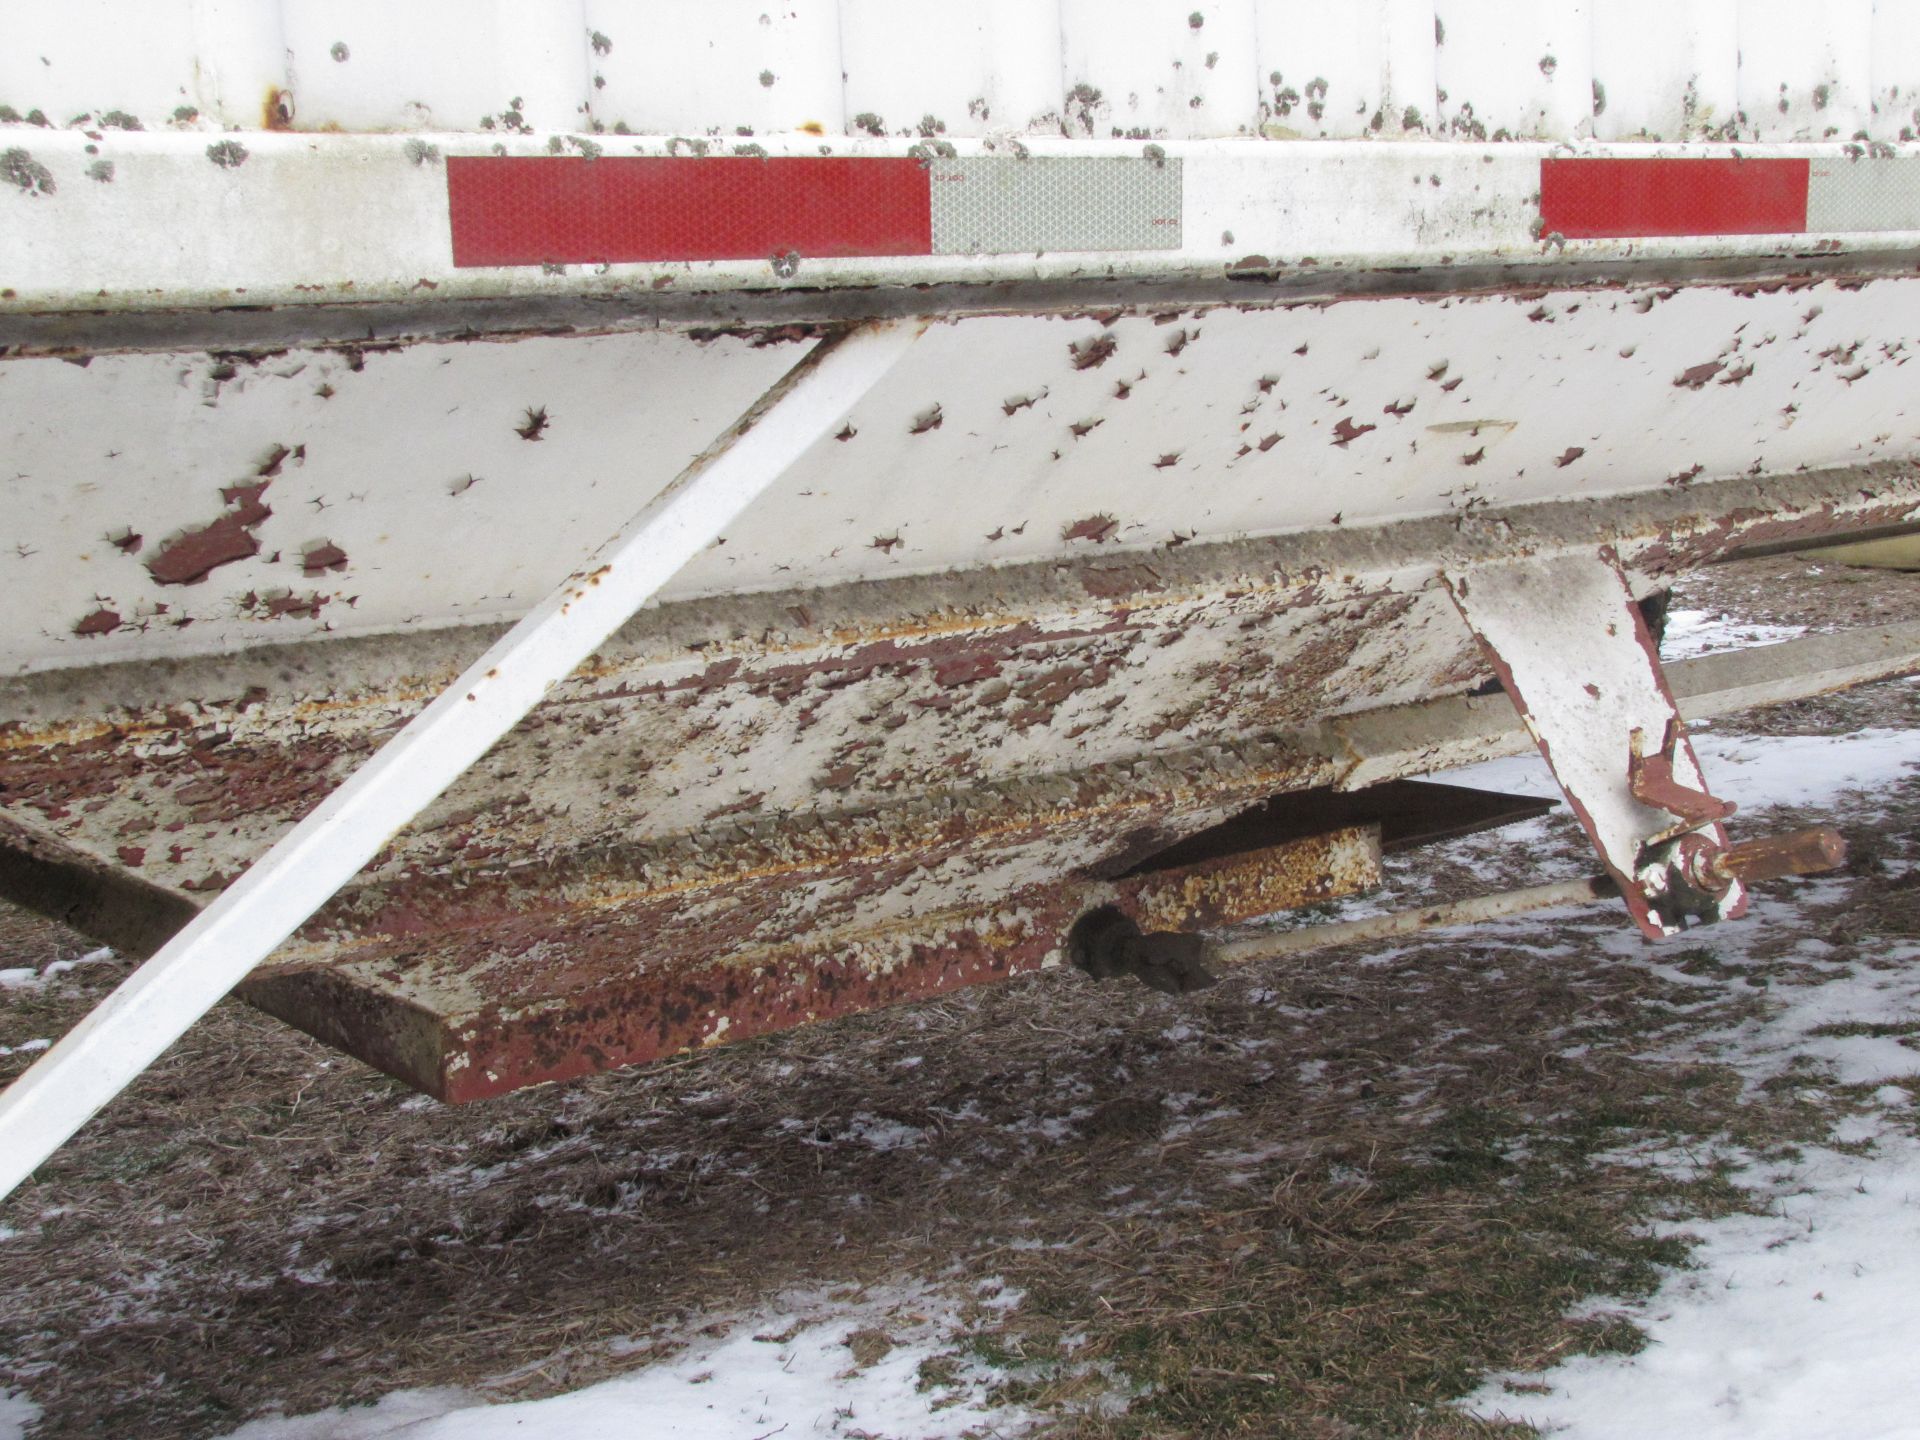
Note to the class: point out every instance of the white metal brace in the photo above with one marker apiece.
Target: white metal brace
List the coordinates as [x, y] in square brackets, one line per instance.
[1569, 643]
[155, 1005]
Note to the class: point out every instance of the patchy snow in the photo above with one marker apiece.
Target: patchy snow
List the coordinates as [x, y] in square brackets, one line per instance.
[1751, 770]
[16, 1414]
[1793, 1323]
[881, 1133]
[27, 978]
[1692, 633]
[1798, 1321]
[814, 1366]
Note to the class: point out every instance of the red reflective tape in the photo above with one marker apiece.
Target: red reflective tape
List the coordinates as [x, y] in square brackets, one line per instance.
[1626, 199]
[566, 210]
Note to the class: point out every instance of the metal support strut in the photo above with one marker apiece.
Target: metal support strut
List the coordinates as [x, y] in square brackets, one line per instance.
[1569, 643]
[155, 1005]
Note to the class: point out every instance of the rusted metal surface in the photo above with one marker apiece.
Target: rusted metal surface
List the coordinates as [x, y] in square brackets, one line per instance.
[548, 995]
[1071, 585]
[1802, 852]
[98, 898]
[1651, 781]
[622, 948]
[1798, 852]
[839, 713]
[155, 1005]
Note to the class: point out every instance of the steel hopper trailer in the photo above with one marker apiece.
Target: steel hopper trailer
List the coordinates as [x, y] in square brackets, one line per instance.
[537, 537]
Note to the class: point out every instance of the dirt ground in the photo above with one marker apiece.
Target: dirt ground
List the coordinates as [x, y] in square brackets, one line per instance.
[1317, 1200]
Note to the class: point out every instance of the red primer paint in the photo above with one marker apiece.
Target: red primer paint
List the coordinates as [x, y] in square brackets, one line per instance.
[1627, 199]
[534, 210]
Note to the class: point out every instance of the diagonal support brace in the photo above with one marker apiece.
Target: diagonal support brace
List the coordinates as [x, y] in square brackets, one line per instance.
[155, 1005]
[1568, 642]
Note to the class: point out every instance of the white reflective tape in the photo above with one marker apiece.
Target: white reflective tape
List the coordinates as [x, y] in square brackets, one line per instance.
[1866, 194]
[990, 206]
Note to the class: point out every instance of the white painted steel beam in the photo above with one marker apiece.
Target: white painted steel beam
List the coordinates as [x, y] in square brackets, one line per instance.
[1434, 736]
[161, 999]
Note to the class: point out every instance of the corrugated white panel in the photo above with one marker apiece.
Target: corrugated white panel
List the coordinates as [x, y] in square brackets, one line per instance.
[1346, 71]
[1896, 70]
[999, 66]
[720, 68]
[1515, 71]
[1806, 70]
[373, 65]
[1151, 68]
[1180, 69]
[1666, 69]
[163, 62]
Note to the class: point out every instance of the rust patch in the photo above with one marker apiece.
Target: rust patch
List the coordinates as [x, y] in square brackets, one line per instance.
[965, 670]
[284, 604]
[1346, 432]
[598, 1007]
[534, 425]
[1568, 456]
[1097, 528]
[1694, 377]
[322, 558]
[1092, 353]
[100, 622]
[192, 555]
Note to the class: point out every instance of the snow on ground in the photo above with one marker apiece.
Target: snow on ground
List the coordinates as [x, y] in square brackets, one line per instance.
[25, 977]
[1692, 633]
[16, 1414]
[1751, 770]
[1793, 1324]
[814, 1365]
[1800, 1321]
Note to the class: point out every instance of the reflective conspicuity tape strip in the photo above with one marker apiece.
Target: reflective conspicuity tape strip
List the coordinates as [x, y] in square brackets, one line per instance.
[1621, 199]
[1870, 194]
[990, 206]
[535, 210]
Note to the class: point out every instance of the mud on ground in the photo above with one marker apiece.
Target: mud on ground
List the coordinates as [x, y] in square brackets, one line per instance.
[1316, 1200]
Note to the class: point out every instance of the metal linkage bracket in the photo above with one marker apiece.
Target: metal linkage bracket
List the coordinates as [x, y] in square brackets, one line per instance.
[1567, 639]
